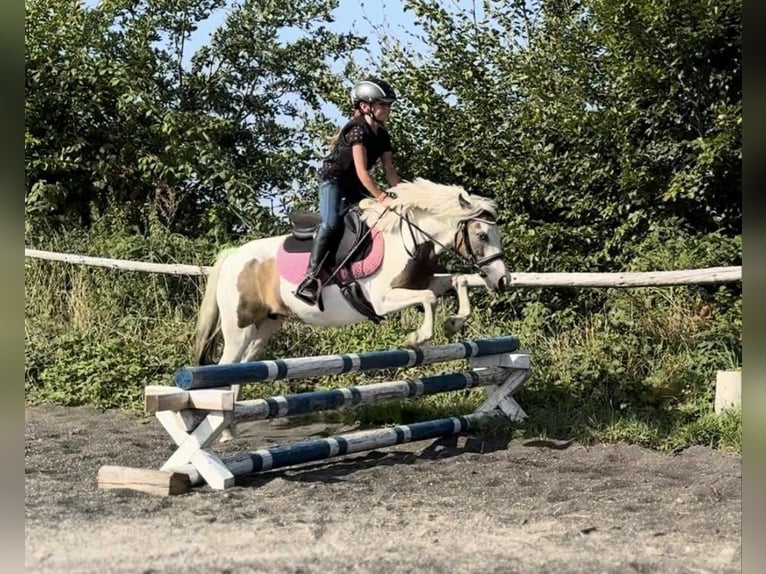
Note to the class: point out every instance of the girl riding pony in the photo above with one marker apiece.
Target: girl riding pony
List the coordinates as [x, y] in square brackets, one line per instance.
[344, 177]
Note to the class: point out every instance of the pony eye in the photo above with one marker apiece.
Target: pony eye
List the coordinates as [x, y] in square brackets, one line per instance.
[483, 237]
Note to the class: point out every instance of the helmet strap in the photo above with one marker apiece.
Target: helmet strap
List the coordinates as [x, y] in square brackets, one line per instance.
[372, 114]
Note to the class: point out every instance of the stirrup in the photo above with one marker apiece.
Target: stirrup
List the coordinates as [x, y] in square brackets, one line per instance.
[303, 296]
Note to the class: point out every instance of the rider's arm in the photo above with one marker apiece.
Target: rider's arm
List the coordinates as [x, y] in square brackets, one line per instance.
[359, 153]
[392, 176]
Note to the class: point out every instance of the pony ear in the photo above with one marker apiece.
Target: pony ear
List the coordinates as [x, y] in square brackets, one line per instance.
[464, 203]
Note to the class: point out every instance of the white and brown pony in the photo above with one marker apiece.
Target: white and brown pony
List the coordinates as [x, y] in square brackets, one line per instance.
[249, 291]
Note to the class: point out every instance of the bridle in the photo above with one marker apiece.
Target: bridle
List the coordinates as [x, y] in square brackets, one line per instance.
[462, 229]
[461, 235]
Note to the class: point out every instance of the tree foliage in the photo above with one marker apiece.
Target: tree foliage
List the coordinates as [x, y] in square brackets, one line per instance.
[593, 122]
[118, 113]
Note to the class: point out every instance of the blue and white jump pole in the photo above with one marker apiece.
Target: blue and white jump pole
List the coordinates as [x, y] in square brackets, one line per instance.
[316, 401]
[281, 456]
[213, 376]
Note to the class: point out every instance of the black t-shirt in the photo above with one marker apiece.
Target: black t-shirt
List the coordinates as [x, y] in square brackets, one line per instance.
[338, 166]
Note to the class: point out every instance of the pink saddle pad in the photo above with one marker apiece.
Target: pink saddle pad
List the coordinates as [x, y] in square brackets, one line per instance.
[292, 266]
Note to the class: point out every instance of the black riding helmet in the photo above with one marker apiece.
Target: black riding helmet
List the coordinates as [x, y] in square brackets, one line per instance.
[372, 90]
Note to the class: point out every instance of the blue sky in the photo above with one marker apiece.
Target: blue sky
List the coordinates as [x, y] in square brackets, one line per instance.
[365, 17]
[369, 18]
[373, 19]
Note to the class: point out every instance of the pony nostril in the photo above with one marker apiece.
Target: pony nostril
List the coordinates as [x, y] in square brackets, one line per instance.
[502, 285]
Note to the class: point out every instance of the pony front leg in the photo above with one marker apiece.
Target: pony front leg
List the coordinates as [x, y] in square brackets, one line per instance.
[398, 299]
[441, 283]
[461, 283]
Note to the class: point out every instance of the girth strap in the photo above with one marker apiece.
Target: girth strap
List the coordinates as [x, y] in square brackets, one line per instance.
[357, 299]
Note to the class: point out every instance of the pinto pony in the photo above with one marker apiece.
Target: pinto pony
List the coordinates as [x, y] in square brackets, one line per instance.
[250, 290]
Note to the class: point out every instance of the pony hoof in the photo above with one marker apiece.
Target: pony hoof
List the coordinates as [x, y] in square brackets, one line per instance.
[415, 340]
[453, 325]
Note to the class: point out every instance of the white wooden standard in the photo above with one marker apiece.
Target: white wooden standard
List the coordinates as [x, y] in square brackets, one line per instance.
[500, 396]
[193, 447]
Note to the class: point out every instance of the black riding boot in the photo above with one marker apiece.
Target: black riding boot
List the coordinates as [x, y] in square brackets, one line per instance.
[308, 290]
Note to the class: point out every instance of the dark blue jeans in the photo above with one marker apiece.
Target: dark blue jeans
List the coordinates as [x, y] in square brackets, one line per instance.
[330, 206]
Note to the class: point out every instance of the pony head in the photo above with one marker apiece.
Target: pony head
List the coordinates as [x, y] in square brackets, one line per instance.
[456, 218]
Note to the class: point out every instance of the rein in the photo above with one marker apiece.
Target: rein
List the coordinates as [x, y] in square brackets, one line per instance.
[472, 260]
[462, 230]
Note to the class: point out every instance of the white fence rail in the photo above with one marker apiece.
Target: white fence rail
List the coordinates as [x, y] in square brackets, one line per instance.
[122, 264]
[621, 279]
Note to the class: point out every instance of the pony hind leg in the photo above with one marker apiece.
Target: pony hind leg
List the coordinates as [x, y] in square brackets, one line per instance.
[256, 341]
[237, 341]
[250, 312]
[261, 339]
[250, 343]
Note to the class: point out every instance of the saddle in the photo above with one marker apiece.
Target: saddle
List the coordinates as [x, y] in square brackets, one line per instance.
[355, 252]
[353, 240]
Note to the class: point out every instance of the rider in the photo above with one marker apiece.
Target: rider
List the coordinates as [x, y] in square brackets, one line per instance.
[344, 174]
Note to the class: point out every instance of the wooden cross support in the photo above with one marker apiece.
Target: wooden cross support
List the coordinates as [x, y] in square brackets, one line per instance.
[500, 397]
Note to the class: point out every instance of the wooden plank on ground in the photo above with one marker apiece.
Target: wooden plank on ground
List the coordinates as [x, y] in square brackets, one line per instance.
[157, 482]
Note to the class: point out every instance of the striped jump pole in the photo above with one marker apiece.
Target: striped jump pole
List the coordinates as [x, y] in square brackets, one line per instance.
[315, 401]
[212, 376]
[281, 456]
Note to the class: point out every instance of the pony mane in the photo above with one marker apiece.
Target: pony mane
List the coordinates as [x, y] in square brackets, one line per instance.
[441, 201]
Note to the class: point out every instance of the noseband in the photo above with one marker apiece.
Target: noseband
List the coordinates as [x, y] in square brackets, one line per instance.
[472, 258]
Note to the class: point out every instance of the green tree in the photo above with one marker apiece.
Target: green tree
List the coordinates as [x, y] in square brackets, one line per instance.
[592, 122]
[117, 114]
